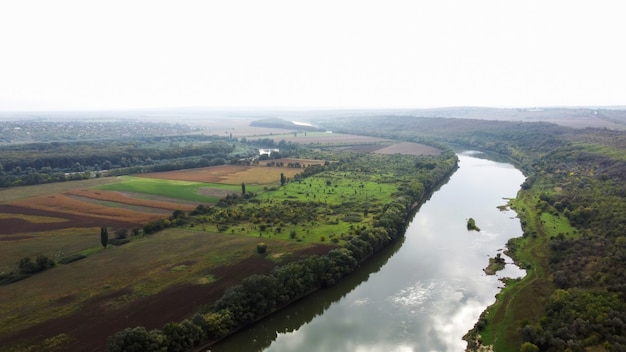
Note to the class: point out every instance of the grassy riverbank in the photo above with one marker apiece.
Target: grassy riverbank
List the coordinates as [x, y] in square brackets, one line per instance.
[523, 301]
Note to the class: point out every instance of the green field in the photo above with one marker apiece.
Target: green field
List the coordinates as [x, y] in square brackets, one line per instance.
[330, 208]
[184, 190]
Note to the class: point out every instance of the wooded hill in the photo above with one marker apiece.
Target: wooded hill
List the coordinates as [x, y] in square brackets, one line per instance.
[573, 212]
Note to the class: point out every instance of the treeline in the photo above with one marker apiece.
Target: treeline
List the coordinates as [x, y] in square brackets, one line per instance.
[260, 295]
[26, 268]
[27, 164]
[577, 176]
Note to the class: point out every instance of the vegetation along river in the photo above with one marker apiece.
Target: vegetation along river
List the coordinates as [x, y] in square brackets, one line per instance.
[422, 293]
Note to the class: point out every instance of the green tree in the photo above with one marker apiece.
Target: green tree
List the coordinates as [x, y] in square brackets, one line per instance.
[104, 236]
[529, 347]
[137, 340]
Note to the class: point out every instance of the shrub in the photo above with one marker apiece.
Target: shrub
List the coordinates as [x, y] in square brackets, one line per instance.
[137, 339]
[352, 218]
[72, 258]
[119, 241]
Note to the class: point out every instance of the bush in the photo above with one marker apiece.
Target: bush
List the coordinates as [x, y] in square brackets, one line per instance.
[119, 241]
[41, 263]
[137, 340]
[72, 258]
[352, 218]
[10, 278]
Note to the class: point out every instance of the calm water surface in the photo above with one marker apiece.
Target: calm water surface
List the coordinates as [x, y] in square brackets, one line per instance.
[420, 294]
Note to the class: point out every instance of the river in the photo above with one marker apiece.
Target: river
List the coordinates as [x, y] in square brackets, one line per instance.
[424, 292]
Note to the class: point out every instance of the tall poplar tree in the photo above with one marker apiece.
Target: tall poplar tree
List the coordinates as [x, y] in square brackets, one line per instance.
[104, 236]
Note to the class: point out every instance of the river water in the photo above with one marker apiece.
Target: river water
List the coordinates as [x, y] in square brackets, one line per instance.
[424, 292]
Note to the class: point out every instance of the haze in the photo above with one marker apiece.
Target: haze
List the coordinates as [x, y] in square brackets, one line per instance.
[315, 54]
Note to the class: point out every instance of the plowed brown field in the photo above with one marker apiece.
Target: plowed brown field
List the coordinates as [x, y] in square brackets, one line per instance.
[61, 203]
[17, 225]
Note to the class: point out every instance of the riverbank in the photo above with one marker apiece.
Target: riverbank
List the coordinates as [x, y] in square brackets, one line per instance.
[418, 302]
[498, 326]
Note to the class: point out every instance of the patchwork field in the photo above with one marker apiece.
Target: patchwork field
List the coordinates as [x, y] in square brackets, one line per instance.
[76, 306]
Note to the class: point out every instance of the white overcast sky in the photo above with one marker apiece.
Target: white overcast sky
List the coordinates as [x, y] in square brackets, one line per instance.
[266, 53]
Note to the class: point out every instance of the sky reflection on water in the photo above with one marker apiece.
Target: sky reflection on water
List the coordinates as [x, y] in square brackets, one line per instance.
[432, 290]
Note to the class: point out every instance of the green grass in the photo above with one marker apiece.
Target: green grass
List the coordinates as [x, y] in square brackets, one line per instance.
[169, 188]
[602, 149]
[522, 300]
[347, 193]
[557, 224]
[344, 188]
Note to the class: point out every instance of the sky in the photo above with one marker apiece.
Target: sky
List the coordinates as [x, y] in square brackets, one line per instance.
[73, 55]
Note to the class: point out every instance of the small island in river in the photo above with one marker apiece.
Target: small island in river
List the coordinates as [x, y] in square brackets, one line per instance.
[471, 225]
[495, 264]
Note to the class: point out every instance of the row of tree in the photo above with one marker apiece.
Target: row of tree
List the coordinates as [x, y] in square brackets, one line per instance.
[579, 177]
[260, 295]
[28, 164]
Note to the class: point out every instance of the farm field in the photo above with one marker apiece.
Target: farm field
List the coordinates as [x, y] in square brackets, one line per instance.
[127, 285]
[235, 174]
[161, 188]
[84, 302]
[407, 148]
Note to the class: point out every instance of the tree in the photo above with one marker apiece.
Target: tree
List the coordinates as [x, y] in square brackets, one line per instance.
[137, 339]
[529, 347]
[243, 188]
[121, 233]
[104, 236]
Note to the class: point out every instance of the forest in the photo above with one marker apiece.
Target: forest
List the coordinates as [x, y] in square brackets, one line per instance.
[575, 295]
[46, 162]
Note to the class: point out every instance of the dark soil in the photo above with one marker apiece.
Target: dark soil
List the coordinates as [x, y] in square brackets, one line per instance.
[13, 226]
[90, 328]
